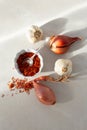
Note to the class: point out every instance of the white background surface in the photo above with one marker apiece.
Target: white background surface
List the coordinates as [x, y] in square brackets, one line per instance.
[23, 112]
[18, 15]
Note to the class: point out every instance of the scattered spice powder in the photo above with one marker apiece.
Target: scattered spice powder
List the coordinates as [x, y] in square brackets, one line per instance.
[24, 66]
[23, 85]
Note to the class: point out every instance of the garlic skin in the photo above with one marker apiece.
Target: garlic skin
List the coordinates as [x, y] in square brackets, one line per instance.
[63, 67]
[35, 34]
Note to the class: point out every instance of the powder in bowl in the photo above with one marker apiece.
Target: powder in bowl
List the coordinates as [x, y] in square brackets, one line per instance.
[23, 66]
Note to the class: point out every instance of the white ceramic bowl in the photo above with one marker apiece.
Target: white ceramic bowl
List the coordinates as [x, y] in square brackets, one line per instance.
[28, 50]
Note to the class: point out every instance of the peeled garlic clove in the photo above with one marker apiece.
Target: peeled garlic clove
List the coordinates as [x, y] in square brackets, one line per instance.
[44, 94]
[63, 67]
[61, 43]
[35, 34]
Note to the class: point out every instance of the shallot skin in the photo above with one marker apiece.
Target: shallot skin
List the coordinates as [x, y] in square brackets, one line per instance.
[44, 94]
[61, 43]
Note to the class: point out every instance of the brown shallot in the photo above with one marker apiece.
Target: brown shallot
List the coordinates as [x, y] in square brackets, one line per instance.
[61, 43]
[44, 94]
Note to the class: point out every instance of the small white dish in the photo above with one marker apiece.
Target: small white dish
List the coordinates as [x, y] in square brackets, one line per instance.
[28, 50]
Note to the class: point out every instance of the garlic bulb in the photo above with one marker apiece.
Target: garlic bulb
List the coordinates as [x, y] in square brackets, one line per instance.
[63, 67]
[35, 34]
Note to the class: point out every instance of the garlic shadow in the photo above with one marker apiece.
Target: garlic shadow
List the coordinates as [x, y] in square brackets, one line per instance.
[64, 93]
[54, 27]
[82, 33]
[80, 64]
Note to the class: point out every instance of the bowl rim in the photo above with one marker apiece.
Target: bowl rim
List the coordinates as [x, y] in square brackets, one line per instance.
[28, 50]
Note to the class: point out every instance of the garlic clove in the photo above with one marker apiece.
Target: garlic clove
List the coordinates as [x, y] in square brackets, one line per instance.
[63, 67]
[35, 34]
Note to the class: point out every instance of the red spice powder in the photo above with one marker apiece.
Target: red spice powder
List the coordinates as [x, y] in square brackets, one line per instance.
[23, 85]
[25, 68]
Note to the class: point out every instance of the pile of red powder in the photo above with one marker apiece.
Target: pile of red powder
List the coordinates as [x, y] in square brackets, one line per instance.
[23, 85]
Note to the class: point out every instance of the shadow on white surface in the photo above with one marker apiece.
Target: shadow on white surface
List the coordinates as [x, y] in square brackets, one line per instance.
[54, 27]
[63, 92]
[80, 65]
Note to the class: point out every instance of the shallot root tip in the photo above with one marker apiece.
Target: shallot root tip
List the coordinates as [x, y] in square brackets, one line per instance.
[76, 39]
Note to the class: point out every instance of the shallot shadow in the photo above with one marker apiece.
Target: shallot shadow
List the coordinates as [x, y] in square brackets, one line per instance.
[54, 27]
[63, 91]
[82, 33]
